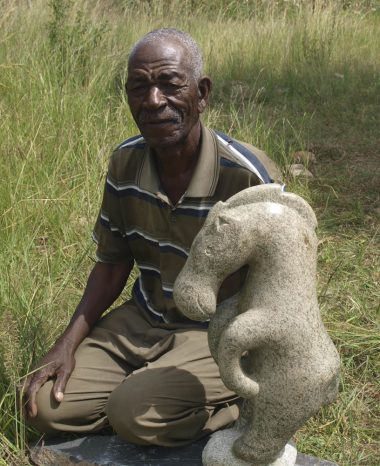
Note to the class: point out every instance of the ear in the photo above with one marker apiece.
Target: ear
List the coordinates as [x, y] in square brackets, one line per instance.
[204, 89]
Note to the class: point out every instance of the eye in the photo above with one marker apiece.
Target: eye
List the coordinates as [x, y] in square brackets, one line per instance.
[208, 251]
[137, 88]
[169, 87]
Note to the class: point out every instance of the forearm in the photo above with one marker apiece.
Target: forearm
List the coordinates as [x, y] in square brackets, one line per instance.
[104, 285]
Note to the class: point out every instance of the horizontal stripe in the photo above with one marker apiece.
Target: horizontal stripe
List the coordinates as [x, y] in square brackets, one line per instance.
[134, 191]
[168, 294]
[203, 212]
[164, 246]
[131, 142]
[168, 291]
[149, 268]
[245, 156]
[104, 220]
[157, 236]
[152, 272]
[141, 296]
[170, 247]
[122, 190]
[195, 209]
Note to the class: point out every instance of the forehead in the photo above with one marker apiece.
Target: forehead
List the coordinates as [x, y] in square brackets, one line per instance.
[159, 55]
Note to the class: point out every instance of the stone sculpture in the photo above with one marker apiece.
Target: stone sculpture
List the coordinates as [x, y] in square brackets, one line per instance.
[268, 340]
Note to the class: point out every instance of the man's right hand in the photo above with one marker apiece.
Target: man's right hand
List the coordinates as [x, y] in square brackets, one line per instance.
[58, 363]
[104, 285]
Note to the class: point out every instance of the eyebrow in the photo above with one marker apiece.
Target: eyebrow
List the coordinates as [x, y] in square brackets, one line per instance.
[168, 74]
[138, 76]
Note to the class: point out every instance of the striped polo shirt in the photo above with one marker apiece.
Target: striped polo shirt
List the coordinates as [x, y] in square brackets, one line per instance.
[137, 222]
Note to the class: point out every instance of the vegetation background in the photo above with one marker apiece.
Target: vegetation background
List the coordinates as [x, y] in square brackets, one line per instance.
[288, 75]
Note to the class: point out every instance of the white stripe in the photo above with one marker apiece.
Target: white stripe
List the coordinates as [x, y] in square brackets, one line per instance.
[149, 267]
[242, 159]
[174, 246]
[197, 208]
[112, 184]
[131, 143]
[154, 240]
[152, 310]
[112, 227]
[122, 187]
[167, 288]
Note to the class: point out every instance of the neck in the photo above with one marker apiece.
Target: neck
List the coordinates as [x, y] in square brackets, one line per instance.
[175, 164]
[179, 158]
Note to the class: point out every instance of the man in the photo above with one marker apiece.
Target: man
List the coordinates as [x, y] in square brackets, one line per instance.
[144, 368]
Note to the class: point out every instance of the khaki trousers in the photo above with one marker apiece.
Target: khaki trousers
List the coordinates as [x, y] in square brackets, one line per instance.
[153, 383]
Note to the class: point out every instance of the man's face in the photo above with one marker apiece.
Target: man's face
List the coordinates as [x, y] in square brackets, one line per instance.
[164, 98]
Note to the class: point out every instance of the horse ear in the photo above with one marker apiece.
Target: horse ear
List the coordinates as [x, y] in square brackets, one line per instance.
[214, 212]
[222, 220]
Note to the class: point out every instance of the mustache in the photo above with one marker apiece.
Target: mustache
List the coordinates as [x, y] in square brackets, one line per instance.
[149, 116]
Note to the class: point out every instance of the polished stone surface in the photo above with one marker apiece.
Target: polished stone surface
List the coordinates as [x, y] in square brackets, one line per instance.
[110, 450]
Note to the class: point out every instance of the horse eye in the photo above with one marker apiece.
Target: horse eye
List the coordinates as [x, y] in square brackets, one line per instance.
[208, 251]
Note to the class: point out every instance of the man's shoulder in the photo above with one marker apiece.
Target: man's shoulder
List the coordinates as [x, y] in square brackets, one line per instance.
[126, 158]
[134, 142]
[237, 154]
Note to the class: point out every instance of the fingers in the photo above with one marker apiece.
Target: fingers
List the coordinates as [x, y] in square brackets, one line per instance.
[53, 365]
[60, 385]
[62, 377]
[31, 393]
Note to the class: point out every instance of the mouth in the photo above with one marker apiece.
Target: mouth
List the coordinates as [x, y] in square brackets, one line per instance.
[166, 121]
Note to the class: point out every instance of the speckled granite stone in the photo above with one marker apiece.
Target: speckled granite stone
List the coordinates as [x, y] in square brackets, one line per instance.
[269, 341]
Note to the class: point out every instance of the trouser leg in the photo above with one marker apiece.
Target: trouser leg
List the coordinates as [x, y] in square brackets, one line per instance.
[172, 396]
[175, 399]
[102, 363]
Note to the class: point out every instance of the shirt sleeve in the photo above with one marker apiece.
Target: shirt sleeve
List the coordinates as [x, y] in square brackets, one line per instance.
[109, 231]
[271, 167]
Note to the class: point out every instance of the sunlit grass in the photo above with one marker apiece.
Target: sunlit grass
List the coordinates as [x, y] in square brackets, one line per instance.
[285, 78]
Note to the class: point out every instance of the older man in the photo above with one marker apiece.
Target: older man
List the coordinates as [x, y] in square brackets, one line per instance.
[144, 368]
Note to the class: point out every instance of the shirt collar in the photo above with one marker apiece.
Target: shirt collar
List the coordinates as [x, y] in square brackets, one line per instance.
[205, 176]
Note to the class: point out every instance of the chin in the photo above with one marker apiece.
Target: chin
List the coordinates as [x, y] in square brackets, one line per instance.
[165, 135]
[162, 141]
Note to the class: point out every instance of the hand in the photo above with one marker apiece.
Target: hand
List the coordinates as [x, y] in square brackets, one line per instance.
[59, 362]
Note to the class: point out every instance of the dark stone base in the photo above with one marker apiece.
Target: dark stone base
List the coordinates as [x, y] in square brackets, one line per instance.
[107, 450]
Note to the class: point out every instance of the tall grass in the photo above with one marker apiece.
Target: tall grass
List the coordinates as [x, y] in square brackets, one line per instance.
[287, 76]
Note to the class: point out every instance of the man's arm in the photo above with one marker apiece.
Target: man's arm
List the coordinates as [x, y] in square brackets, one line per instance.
[104, 285]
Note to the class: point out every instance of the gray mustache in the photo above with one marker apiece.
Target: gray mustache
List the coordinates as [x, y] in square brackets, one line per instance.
[165, 114]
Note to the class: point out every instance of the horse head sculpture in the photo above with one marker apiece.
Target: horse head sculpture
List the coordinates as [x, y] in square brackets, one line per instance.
[268, 340]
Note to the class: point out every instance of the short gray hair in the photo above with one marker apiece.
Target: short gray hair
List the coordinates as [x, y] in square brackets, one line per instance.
[195, 54]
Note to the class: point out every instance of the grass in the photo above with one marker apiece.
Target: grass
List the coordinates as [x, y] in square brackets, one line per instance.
[286, 77]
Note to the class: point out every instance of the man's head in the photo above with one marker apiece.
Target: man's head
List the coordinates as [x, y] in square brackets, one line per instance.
[165, 88]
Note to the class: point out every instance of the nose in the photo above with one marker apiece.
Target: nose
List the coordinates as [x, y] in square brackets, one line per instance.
[154, 98]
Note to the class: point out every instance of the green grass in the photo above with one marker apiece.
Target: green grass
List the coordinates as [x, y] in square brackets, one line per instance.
[286, 77]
